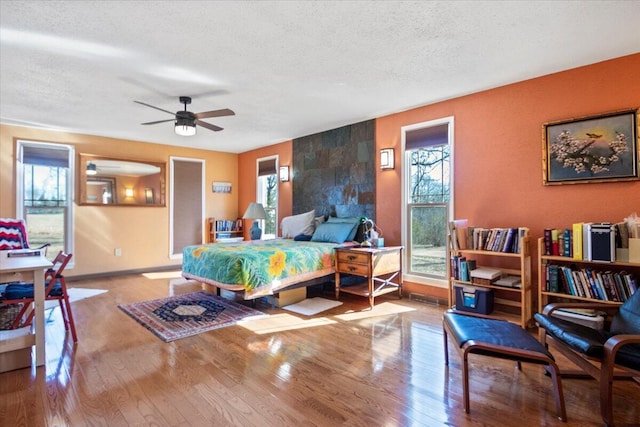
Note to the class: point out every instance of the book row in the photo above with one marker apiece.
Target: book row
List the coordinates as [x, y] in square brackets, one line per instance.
[466, 270]
[228, 225]
[590, 283]
[587, 241]
[508, 240]
[461, 268]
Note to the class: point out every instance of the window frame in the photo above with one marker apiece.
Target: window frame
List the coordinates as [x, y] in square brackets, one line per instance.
[260, 196]
[69, 243]
[405, 187]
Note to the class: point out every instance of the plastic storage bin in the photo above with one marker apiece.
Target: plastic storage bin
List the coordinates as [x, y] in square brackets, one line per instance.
[474, 300]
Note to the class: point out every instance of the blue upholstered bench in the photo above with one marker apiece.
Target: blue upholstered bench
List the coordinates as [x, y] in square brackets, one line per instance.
[501, 339]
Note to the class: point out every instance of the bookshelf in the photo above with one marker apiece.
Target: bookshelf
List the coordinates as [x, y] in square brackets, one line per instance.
[545, 296]
[513, 304]
[221, 230]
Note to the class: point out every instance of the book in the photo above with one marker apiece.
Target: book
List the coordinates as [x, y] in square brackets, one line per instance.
[586, 241]
[547, 241]
[510, 238]
[554, 279]
[508, 281]
[464, 271]
[522, 233]
[622, 235]
[566, 239]
[458, 234]
[589, 312]
[16, 253]
[555, 248]
[486, 273]
[577, 240]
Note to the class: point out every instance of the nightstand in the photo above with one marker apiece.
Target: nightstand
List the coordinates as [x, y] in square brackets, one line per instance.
[378, 265]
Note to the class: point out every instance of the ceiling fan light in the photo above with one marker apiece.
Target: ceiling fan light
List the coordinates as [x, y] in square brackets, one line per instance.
[185, 127]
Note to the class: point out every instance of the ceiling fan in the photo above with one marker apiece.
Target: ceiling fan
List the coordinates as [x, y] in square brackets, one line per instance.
[186, 121]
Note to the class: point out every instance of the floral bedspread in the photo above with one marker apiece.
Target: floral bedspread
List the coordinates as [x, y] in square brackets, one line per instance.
[259, 265]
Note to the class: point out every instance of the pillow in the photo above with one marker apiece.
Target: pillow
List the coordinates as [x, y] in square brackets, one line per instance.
[353, 220]
[13, 234]
[317, 221]
[302, 238]
[294, 225]
[335, 232]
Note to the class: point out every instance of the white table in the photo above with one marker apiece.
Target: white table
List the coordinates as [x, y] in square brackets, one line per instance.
[27, 269]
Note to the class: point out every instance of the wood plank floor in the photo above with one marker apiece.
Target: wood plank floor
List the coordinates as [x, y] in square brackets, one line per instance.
[349, 366]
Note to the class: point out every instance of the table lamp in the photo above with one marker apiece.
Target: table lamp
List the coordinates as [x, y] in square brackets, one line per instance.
[255, 211]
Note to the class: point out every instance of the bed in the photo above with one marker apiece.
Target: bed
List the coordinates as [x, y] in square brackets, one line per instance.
[265, 267]
[259, 267]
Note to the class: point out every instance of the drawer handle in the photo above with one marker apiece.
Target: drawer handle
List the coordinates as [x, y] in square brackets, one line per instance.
[351, 268]
[351, 257]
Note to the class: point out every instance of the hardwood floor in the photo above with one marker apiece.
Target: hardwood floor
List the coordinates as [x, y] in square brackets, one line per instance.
[348, 366]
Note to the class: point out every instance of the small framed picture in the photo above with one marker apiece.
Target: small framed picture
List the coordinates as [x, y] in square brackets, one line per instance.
[221, 187]
[601, 148]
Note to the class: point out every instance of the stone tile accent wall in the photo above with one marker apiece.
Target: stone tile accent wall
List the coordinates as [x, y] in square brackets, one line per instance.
[334, 171]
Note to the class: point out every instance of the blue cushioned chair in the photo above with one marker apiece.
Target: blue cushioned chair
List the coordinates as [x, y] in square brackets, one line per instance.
[598, 353]
[55, 289]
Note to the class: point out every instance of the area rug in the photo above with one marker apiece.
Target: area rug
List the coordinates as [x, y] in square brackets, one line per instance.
[186, 315]
[311, 306]
[76, 294]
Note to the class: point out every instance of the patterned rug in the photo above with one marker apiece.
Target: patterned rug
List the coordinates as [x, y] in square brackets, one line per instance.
[186, 315]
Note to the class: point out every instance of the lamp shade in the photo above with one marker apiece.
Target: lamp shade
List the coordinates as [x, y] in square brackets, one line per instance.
[284, 173]
[386, 158]
[255, 211]
[185, 127]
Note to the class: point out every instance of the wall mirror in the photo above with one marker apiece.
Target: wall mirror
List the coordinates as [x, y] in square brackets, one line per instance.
[121, 182]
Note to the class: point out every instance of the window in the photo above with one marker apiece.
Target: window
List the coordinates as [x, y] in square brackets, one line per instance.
[268, 195]
[427, 196]
[44, 196]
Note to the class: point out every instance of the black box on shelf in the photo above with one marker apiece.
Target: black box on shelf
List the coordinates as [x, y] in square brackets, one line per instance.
[474, 300]
[603, 242]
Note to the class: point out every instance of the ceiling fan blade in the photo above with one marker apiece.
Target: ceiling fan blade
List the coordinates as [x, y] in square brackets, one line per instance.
[142, 103]
[208, 125]
[158, 121]
[215, 113]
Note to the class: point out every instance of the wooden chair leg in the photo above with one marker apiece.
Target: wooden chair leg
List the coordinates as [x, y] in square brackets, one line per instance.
[606, 392]
[64, 314]
[446, 346]
[557, 391]
[465, 381]
[69, 316]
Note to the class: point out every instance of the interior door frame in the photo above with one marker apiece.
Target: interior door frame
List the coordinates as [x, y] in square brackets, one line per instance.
[172, 204]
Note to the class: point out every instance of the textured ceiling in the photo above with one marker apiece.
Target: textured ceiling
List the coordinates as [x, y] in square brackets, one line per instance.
[287, 68]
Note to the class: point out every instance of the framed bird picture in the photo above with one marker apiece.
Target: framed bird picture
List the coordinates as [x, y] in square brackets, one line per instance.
[602, 148]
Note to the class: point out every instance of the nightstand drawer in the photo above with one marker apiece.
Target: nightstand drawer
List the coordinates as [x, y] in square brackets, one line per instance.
[352, 257]
[357, 269]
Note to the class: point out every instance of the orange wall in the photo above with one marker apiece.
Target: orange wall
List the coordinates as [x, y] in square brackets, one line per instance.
[141, 232]
[498, 154]
[498, 151]
[247, 176]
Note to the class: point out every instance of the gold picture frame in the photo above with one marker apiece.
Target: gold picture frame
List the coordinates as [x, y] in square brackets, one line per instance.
[593, 149]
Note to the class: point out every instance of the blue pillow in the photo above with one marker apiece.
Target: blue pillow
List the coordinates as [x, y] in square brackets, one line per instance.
[302, 238]
[332, 232]
[353, 220]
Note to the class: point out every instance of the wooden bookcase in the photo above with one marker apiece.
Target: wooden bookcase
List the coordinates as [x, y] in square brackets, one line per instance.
[545, 297]
[220, 229]
[516, 264]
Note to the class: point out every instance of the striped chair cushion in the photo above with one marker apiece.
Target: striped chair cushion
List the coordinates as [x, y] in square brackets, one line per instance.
[13, 234]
